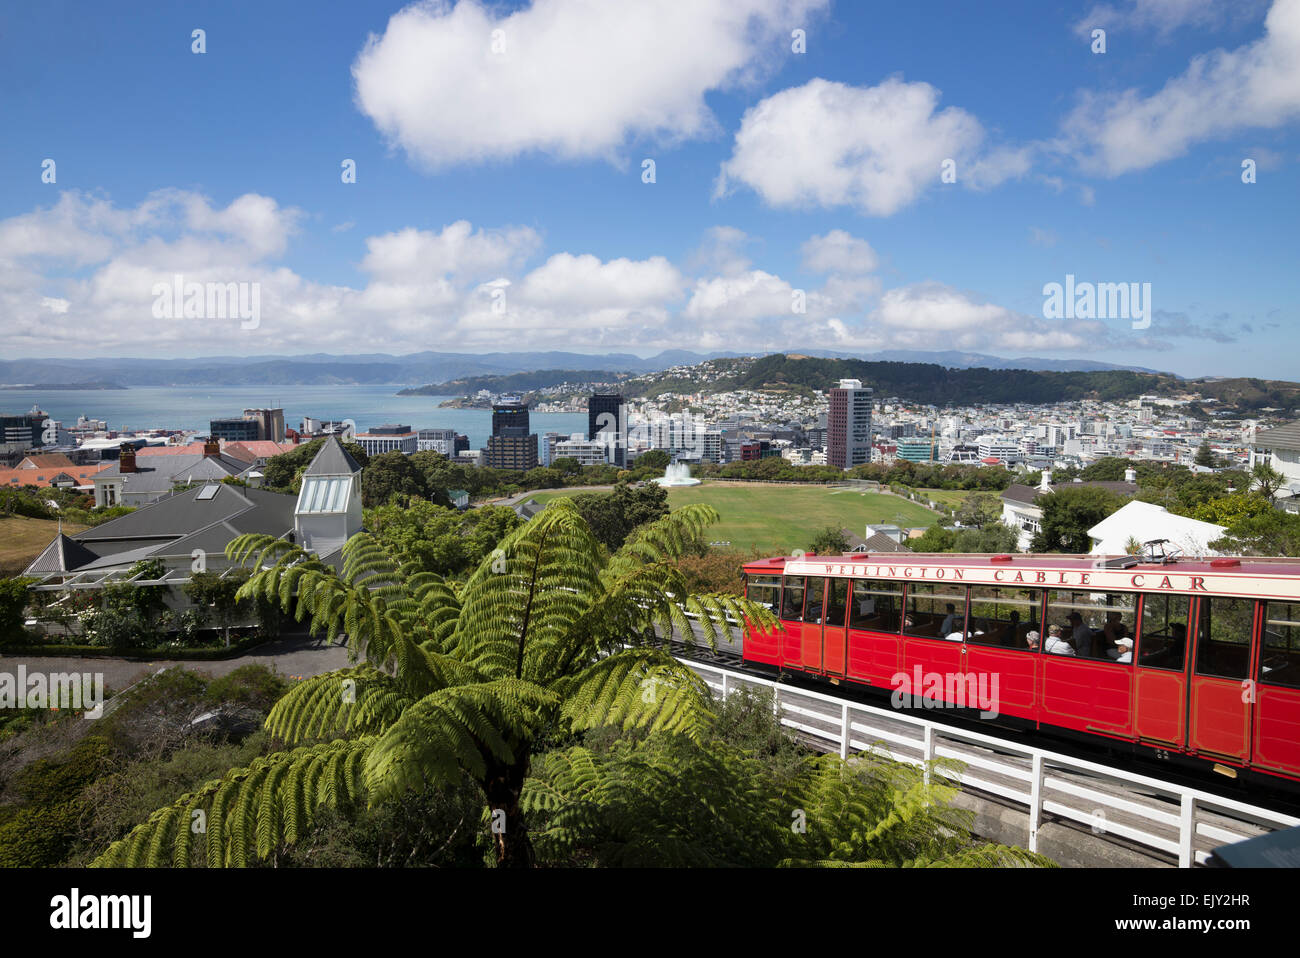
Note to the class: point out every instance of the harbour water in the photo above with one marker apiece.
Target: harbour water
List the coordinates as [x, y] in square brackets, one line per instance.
[191, 408]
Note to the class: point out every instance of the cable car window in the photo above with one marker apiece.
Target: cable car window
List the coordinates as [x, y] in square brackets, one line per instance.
[1223, 637]
[1279, 661]
[837, 600]
[1004, 616]
[792, 598]
[812, 608]
[1163, 643]
[1099, 626]
[935, 611]
[876, 605]
[764, 590]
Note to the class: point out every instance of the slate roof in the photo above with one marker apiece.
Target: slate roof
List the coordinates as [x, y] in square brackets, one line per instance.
[161, 472]
[1019, 492]
[1284, 437]
[61, 555]
[176, 525]
[879, 542]
[332, 460]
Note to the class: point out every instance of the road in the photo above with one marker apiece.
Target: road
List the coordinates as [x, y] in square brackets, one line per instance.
[300, 655]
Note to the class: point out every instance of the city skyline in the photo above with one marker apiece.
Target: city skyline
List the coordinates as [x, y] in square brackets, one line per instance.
[480, 218]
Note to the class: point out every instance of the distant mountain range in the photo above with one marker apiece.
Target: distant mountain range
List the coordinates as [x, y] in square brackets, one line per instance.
[417, 369]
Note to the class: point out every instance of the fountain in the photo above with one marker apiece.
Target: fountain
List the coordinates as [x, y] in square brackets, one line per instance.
[677, 474]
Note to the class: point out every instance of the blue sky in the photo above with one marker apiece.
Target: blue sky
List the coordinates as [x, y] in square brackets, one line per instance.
[499, 201]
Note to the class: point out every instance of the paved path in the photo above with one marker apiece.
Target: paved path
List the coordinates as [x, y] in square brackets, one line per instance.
[565, 490]
[295, 656]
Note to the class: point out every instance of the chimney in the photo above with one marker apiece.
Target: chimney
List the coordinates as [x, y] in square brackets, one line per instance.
[1130, 475]
[126, 460]
[212, 447]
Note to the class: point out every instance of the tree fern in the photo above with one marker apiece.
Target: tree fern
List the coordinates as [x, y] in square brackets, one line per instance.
[449, 680]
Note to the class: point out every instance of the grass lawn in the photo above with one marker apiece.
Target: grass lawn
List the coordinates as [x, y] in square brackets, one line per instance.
[775, 519]
[949, 497]
[23, 539]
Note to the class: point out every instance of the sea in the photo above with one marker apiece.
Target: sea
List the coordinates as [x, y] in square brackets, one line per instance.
[191, 408]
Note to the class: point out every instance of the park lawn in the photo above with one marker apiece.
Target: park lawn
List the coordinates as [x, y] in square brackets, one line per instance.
[23, 539]
[948, 497]
[774, 519]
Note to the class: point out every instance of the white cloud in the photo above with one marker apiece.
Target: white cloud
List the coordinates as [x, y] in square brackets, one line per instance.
[571, 78]
[722, 251]
[1164, 16]
[458, 251]
[1041, 237]
[585, 282]
[741, 299]
[935, 316]
[838, 252]
[1222, 92]
[873, 148]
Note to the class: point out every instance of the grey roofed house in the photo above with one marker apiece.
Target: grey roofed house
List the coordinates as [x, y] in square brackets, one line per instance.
[202, 521]
[151, 477]
[332, 460]
[526, 510]
[876, 542]
[1283, 437]
[1019, 492]
[204, 518]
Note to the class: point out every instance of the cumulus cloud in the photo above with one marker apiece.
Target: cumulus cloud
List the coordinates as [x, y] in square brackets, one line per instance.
[722, 251]
[460, 286]
[1223, 92]
[932, 315]
[838, 252]
[458, 83]
[827, 144]
[1164, 16]
[458, 251]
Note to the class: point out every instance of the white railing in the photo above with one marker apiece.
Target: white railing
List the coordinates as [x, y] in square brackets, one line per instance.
[1178, 821]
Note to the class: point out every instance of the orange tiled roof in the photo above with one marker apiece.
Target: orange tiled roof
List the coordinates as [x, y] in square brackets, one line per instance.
[45, 460]
[45, 477]
[252, 449]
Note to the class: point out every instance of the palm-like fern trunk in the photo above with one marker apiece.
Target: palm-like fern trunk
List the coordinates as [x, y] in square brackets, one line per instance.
[503, 785]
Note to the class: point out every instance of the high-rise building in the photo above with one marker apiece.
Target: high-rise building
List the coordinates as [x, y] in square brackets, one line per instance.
[390, 437]
[270, 423]
[848, 425]
[510, 418]
[607, 421]
[441, 441]
[233, 430]
[511, 446]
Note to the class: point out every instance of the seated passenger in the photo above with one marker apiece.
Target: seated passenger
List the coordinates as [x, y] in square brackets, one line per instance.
[1114, 628]
[951, 621]
[1113, 633]
[1080, 635]
[1031, 640]
[1055, 643]
[1125, 650]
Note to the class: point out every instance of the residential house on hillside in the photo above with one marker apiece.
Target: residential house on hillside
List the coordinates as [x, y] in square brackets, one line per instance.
[876, 541]
[189, 531]
[1146, 522]
[61, 477]
[1280, 448]
[136, 480]
[1020, 513]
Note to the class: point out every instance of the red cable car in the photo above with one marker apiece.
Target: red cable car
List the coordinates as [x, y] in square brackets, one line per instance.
[1189, 657]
